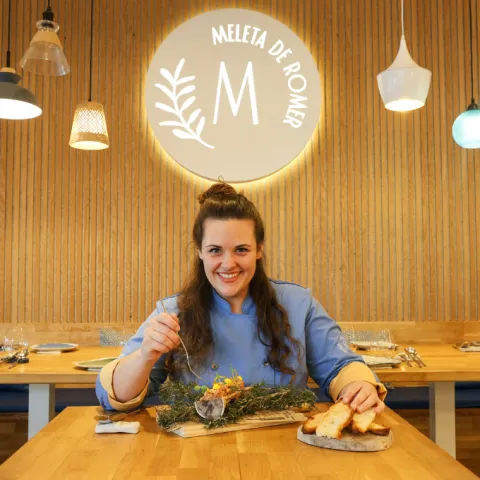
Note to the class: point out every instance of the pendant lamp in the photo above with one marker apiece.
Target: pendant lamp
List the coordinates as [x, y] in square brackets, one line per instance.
[404, 85]
[89, 129]
[16, 102]
[466, 127]
[45, 55]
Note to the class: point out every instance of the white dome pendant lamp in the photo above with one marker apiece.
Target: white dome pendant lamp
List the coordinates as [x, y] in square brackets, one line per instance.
[16, 102]
[89, 128]
[466, 128]
[404, 85]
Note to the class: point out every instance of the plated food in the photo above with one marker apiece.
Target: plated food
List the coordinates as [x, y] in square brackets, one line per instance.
[341, 428]
[228, 401]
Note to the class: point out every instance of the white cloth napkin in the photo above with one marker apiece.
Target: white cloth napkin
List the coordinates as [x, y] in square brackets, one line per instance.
[470, 349]
[372, 360]
[118, 427]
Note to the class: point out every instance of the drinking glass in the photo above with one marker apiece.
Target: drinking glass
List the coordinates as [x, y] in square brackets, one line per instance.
[15, 340]
[382, 344]
[349, 334]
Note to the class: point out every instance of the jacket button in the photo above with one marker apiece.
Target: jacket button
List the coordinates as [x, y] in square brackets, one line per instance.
[265, 363]
[214, 366]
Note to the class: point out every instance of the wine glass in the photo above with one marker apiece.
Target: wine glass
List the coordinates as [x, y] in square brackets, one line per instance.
[2, 338]
[16, 341]
[349, 334]
[383, 344]
[22, 343]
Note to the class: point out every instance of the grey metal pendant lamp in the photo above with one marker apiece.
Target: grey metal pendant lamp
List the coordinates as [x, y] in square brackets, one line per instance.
[16, 102]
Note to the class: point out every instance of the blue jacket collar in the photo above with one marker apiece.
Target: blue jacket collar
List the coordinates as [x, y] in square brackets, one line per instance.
[248, 305]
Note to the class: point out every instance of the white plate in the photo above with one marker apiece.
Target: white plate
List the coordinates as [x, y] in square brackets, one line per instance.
[94, 365]
[51, 347]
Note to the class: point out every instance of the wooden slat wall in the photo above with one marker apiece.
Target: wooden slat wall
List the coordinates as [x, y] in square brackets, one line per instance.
[380, 214]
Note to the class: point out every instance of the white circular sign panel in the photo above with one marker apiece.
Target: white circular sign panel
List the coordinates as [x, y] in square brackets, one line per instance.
[233, 93]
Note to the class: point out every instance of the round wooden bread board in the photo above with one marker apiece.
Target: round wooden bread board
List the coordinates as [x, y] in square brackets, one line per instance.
[351, 442]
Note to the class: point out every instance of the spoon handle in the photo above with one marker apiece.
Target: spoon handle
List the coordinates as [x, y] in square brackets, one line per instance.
[420, 359]
[13, 364]
[406, 359]
[414, 357]
[184, 347]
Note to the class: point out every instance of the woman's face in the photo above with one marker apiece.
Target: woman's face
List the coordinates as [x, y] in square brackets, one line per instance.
[229, 252]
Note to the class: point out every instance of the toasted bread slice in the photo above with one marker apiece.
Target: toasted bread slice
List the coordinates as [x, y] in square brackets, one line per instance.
[377, 429]
[313, 422]
[361, 421]
[332, 424]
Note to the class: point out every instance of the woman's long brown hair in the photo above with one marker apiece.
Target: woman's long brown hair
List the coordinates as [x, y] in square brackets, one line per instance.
[221, 201]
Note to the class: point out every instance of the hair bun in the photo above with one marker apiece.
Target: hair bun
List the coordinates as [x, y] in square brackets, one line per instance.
[217, 189]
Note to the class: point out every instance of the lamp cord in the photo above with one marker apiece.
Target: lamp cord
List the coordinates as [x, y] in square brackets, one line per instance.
[91, 51]
[8, 34]
[402, 18]
[471, 48]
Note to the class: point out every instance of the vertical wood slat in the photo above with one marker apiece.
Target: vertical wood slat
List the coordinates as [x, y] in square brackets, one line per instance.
[379, 215]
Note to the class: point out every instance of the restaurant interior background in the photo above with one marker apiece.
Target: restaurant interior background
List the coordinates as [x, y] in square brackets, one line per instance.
[379, 215]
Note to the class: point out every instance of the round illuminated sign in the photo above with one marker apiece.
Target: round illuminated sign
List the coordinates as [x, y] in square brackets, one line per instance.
[233, 93]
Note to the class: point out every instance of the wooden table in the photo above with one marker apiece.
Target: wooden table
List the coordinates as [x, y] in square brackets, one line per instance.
[69, 448]
[445, 366]
[45, 371]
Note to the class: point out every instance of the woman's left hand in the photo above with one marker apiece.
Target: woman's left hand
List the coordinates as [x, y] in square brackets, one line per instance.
[361, 395]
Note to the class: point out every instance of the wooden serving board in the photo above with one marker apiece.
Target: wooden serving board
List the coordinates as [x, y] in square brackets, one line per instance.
[260, 419]
[351, 442]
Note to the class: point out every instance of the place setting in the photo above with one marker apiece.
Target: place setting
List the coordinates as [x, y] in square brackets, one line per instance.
[379, 351]
[15, 347]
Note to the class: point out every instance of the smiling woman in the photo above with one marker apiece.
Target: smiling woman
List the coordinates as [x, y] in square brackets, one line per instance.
[231, 315]
[230, 266]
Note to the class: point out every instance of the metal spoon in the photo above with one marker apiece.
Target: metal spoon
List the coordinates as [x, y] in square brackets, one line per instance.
[12, 357]
[405, 359]
[20, 357]
[412, 358]
[185, 348]
[412, 351]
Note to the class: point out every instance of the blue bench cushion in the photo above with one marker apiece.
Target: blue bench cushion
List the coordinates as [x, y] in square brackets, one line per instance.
[14, 398]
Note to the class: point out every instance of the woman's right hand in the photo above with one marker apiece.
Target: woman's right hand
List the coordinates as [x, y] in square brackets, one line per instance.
[160, 336]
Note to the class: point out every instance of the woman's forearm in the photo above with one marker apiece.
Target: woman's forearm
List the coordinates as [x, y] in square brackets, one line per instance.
[131, 375]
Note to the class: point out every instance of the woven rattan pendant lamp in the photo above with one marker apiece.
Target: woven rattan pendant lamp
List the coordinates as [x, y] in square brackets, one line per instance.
[466, 128]
[89, 129]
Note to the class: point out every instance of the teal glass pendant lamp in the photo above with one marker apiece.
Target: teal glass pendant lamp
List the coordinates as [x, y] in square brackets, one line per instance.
[466, 127]
[16, 102]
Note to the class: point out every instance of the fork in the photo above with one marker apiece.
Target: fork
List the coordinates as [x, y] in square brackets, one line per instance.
[183, 345]
[412, 357]
[405, 359]
[413, 352]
